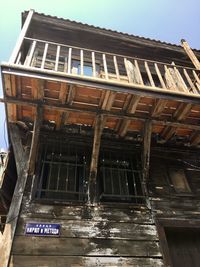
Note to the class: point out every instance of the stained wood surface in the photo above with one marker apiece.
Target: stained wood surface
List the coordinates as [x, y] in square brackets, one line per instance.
[84, 246]
[61, 261]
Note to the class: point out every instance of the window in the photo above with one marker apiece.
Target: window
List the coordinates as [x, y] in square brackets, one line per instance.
[179, 180]
[120, 178]
[87, 68]
[63, 172]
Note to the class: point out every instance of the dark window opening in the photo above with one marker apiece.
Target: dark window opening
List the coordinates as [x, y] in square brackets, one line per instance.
[183, 245]
[63, 172]
[120, 178]
[179, 180]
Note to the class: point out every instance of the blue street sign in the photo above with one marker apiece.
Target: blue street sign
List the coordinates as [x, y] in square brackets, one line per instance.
[42, 229]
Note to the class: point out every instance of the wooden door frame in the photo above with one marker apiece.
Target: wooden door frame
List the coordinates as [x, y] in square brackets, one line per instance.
[161, 224]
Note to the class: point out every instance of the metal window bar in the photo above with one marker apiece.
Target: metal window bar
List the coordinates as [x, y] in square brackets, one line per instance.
[120, 172]
[63, 173]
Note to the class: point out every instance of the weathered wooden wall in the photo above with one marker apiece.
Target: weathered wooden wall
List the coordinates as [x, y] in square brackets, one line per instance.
[109, 235]
[166, 203]
[95, 236]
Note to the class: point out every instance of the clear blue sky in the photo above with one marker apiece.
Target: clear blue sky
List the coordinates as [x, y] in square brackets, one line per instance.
[165, 20]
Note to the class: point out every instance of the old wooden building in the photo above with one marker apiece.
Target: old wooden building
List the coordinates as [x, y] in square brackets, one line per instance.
[104, 129]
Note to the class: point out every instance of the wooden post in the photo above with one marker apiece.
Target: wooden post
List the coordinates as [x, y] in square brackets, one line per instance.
[100, 122]
[146, 148]
[190, 54]
[35, 138]
[21, 37]
[21, 158]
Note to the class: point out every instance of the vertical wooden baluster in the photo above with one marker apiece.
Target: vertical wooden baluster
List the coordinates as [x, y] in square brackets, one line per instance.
[194, 89]
[44, 55]
[196, 77]
[81, 62]
[93, 65]
[160, 76]
[18, 58]
[57, 57]
[105, 66]
[149, 74]
[69, 60]
[180, 79]
[116, 67]
[30, 54]
[171, 83]
[138, 71]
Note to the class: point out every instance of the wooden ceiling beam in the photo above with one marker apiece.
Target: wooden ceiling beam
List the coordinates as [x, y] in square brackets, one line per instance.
[99, 126]
[195, 140]
[182, 111]
[119, 115]
[131, 109]
[108, 100]
[159, 107]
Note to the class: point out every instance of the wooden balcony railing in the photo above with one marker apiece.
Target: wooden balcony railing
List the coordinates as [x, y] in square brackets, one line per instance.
[70, 60]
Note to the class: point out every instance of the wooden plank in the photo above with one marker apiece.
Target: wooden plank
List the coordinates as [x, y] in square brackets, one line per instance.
[108, 100]
[149, 74]
[105, 66]
[182, 111]
[76, 246]
[136, 215]
[81, 62]
[181, 81]
[69, 65]
[190, 54]
[146, 148]
[138, 71]
[57, 57]
[99, 126]
[63, 93]
[44, 55]
[171, 83]
[160, 76]
[93, 65]
[21, 158]
[95, 229]
[35, 139]
[196, 78]
[130, 109]
[168, 132]
[194, 89]
[83, 261]
[116, 68]
[30, 54]
[158, 107]
[21, 37]
[71, 94]
[195, 140]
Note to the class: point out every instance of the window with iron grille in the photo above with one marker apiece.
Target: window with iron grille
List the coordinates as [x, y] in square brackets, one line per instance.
[120, 177]
[63, 172]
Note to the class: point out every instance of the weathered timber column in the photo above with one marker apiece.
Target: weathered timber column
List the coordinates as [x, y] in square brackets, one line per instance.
[21, 158]
[100, 122]
[25, 163]
[190, 54]
[21, 37]
[146, 148]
